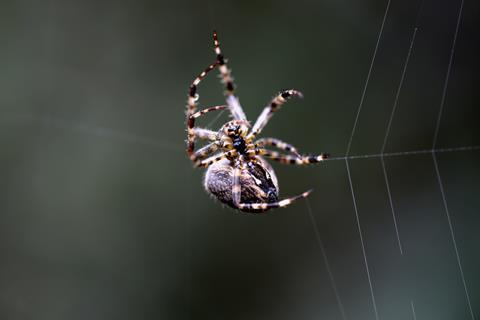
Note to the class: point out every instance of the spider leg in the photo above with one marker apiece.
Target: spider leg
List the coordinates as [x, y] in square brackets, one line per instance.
[207, 150]
[227, 80]
[236, 187]
[261, 207]
[269, 110]
[204, 152]
[288, 159]
[192, 105]
[192, 92]
[197, 132]
[205, 111]
[257, 207]
[278, 144]
[215, 158]
[204, 134]
[225, 73]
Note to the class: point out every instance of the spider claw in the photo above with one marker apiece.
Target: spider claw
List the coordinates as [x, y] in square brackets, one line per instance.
[288, 201]
[288, 93]
[307, 193]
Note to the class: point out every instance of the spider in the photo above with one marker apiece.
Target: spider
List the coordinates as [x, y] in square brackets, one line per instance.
[237, 173]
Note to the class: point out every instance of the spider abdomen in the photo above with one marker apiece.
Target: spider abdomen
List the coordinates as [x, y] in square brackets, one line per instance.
[258, 183]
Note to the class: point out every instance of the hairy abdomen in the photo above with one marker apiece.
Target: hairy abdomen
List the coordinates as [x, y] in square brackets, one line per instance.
[258, 183]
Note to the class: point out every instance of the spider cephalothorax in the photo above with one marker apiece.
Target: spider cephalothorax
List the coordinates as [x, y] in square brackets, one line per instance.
[237, 174]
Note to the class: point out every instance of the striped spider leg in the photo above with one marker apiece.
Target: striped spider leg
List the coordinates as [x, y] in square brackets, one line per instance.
[232, 101]
[230, 155]
[192, 107]
[297, 159]
[257, 207]
[262, 121]
[225, 139]
[253, 154]
[227, 80]
[203, 134]
[269, 110]
[278, 144]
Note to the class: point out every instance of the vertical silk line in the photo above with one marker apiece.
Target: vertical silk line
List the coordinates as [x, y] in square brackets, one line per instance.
[361, 240]
[413, 310]
[325, 259]
[213, 26]
[397, 95]
[387, 133]
[362, 99]
[435, 163]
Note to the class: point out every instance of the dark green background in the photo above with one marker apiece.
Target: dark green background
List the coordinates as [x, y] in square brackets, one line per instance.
[103, 217]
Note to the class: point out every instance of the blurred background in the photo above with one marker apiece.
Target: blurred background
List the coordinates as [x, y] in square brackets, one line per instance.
[103, 217]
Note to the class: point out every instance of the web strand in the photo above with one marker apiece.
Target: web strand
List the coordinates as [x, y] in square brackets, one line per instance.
[447, 78]
[413, 310]
[452, 234]
[387, 132]
[397, 95]
[361, 239]
[214, 120]
[362, 99]
[392, 208]
[405, 153]
[155, 143]
[434, 157]
[99, 131]
[347, 153]
[325, 259]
